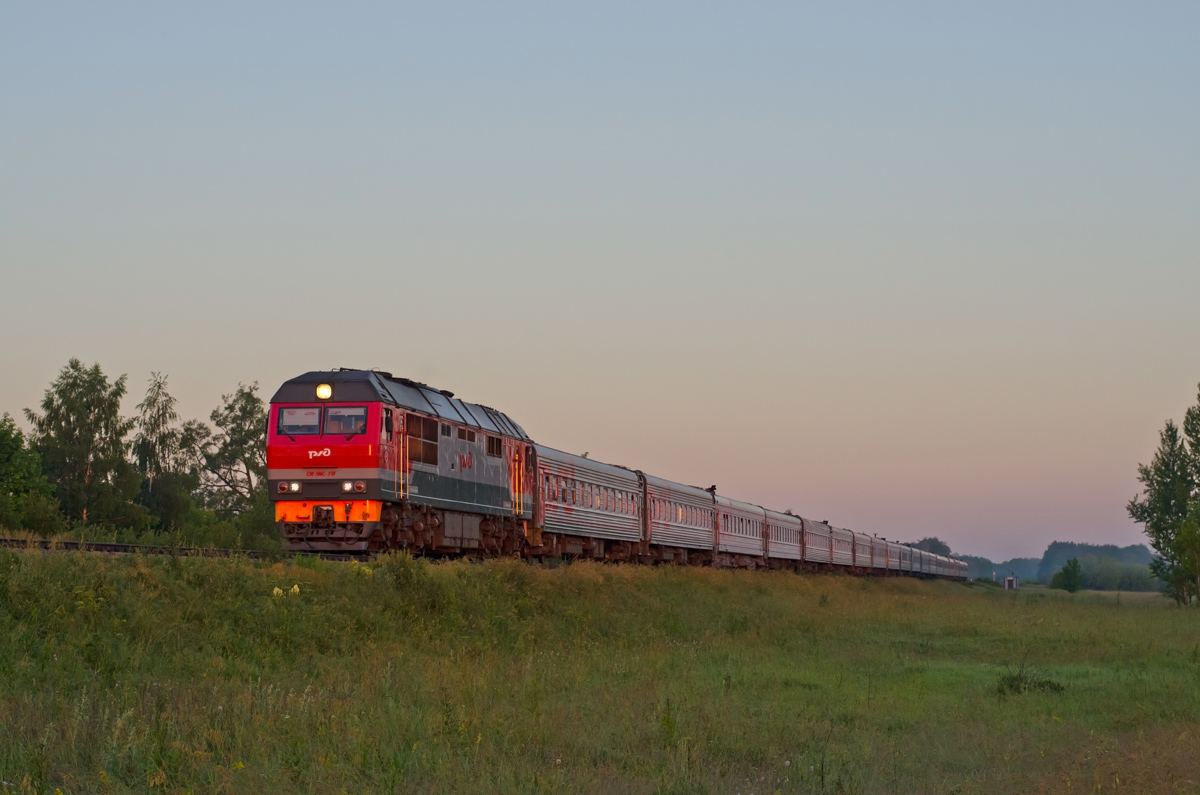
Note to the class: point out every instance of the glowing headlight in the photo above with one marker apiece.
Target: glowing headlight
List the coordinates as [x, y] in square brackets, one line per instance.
[294, 487]
[347, 486]
[324, 391]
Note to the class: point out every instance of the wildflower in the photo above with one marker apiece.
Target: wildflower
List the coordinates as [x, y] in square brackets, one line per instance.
[787, 764]
[277, 591]
[238, 766]
[295, 590]
[221, 708]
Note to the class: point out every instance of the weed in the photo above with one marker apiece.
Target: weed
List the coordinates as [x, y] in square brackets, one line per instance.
[1024, 678]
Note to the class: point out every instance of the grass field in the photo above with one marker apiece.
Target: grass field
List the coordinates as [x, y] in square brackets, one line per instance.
[156, 675]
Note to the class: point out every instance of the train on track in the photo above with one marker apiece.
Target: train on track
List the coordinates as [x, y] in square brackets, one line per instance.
[359, 461]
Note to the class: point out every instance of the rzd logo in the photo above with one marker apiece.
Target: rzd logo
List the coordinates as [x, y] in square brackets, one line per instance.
[317, 453]
[466, 461]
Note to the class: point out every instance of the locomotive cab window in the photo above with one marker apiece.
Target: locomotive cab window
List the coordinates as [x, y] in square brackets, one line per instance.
[345, 420]
[304, 421]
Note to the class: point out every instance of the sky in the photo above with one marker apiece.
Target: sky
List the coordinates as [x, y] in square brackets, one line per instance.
[917, 269]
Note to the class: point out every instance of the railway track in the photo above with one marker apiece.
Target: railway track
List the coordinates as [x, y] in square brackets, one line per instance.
[113, 548]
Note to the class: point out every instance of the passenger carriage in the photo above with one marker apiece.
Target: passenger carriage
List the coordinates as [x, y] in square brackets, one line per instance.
[739, 533]
[862, 551]
[586, 502]
[681, 519]
[842, 542]
[818, 542]
[785, 537]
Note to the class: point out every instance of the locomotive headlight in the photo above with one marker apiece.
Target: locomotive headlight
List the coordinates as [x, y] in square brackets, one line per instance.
[347, 486]
[360, 486]
[324, 391]
[294, 487]
[283, 487]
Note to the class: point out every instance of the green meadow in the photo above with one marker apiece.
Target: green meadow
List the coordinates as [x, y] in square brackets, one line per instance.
[174, 675]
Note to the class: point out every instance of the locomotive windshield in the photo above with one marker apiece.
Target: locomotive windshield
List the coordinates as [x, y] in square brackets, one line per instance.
[305, 421]
[346, 420]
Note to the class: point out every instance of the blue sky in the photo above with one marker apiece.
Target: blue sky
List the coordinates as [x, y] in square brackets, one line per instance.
[919, 268]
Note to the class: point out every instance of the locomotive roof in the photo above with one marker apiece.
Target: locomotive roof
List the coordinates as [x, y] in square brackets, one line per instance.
[375, 385]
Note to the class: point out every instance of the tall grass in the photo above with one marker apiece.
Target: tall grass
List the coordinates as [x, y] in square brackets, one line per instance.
[211, 675]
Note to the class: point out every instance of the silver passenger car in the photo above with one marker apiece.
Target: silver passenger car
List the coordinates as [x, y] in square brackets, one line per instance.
[785, 536]
[862, 550]
[679, 516]
[581, 497]
[818, 542]
[740, 527]
[843, 546]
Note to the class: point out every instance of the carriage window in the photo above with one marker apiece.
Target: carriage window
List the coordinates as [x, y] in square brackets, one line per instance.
[345, 420]
[466, 435]
[299, 422]
[495, 447]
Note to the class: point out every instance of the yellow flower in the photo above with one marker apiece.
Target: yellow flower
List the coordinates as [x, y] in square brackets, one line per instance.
[277, 592]
[295, 590]
[238, 766]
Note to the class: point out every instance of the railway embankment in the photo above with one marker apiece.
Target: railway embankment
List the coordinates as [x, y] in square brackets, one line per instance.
[144, 674]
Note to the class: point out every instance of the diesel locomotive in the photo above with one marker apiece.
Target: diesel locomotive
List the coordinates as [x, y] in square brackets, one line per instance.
[362, 461]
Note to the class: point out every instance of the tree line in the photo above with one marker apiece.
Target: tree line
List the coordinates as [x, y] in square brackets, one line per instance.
[1096, 567]
[85, 469]
[1169, 507]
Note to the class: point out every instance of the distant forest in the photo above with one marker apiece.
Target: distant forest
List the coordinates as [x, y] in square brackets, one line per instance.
[1106, 567]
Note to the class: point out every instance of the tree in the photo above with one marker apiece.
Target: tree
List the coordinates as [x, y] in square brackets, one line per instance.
[156, 444]
[932, 544]
[160, 456]
[231, 463]
[80, 436]
[26, 497]
[1070, 577]
[1168, 492]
